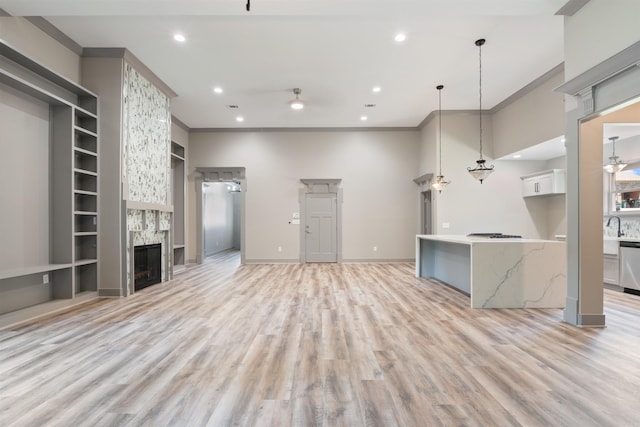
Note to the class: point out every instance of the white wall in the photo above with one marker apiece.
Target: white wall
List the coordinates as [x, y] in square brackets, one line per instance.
[31, 41]
[598, 31]
[536, 117]
[377, 169]
[494, 206]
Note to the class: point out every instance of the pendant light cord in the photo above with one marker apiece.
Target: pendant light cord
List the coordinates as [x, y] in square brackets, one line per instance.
[440, 126]
[480, 90]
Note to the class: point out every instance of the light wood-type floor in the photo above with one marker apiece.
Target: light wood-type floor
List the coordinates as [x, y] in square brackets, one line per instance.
[317, 344]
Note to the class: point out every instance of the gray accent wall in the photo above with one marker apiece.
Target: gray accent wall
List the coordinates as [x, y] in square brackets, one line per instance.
[39, 46]
[24, 180]
[377, 169]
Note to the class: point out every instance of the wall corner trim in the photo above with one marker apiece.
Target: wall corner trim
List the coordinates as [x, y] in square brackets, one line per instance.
[621, 61]
[126, 55]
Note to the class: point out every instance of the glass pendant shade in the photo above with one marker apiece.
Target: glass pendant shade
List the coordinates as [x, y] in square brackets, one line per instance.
[481, 171]
[440, 183]
[614, 165]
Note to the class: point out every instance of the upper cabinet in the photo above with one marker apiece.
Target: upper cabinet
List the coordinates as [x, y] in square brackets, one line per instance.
[544, 183]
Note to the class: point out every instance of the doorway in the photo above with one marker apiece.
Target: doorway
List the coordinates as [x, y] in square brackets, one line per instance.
[426, 215]
[321, 232]
[220, 211]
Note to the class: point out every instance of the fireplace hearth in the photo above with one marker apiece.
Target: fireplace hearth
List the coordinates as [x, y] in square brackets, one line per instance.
[147, 263]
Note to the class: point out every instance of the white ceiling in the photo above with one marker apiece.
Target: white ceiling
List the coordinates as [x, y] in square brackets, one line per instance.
[335, 51]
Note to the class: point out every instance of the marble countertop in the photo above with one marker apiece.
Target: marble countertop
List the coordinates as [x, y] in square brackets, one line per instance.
[470, 240]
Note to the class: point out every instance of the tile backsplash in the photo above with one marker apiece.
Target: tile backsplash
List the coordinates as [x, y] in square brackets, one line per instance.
[630, 226]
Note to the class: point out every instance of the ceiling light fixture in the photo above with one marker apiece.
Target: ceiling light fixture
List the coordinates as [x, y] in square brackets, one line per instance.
[297, 104]
[218, 90]
[179, 38]
[376, 89]
[614, 165]
[239, 119]
[440, 183]
[400, 37]
[364, 118]
[481, 171]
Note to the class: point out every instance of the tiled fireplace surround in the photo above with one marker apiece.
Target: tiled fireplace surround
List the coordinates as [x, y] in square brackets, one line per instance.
[146, 171]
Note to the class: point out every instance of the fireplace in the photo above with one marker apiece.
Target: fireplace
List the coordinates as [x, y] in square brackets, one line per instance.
[147, 263]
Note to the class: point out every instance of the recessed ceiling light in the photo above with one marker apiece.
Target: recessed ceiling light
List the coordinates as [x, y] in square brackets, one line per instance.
[217, 90]
[376, 89]
[517, 156]
[239, 119]
[400, 37]
[364, 118]
[179, 38]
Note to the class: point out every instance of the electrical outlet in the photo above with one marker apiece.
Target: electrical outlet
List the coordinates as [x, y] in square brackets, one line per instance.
[295, 215]
[279, 248]
[445, 225]
[375, 249]
[45, 278]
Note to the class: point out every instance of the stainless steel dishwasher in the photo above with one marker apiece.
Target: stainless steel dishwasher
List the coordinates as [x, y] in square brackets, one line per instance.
[630, 265]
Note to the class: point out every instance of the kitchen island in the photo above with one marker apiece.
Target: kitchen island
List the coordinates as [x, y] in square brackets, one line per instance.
[496, 273]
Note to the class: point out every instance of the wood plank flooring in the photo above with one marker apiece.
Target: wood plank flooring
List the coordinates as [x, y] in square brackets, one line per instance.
[317, 344]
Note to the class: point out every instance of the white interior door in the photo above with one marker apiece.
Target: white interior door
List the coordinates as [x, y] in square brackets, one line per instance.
[321, 228]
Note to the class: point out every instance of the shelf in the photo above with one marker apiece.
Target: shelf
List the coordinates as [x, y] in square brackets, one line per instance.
[85, 131]
[25, 271]
[85, 201]
[85, 223]
[85, 172]
[86, 233]
[87, 152]
[86, 247]
[87, 213]
[178, 246]
[175, 156]
[177, 150]
[88, 193]
[85, 182]
[86, 278]
[44, 309]
[85, 160]
[85, 261]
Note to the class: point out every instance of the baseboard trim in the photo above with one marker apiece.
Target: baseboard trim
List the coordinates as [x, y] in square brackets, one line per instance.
[272, 261]
[109, 293]
[592, 320]
[378, 261]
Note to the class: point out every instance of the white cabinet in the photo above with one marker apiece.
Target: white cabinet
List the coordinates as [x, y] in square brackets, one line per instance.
[611, 269]
[544, 183]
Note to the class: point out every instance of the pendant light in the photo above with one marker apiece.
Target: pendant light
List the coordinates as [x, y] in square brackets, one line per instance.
[297, 104]
[440, 183]
[614, 165]
[481, 171]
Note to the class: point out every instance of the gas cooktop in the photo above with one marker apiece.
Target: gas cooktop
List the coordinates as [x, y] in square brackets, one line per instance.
[495, 235]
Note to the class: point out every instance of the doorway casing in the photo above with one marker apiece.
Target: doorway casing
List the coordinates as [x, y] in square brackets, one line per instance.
[219, 174]
[604, 87]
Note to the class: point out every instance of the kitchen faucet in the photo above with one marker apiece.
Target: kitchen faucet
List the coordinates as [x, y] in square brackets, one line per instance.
[620, 233]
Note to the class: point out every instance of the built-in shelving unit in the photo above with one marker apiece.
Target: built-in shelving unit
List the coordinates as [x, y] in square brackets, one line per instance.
[178, 195]
[71, 276]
